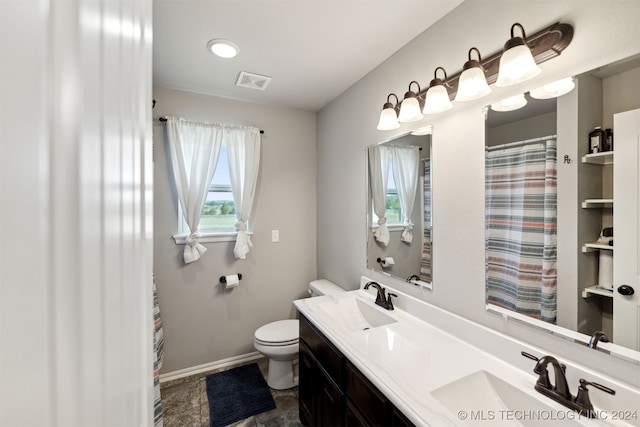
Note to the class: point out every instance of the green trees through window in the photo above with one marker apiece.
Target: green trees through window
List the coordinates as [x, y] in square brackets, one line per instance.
[219, 215]
[393, 208]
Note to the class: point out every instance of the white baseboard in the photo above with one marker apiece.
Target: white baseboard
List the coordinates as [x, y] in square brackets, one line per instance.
[235, 360]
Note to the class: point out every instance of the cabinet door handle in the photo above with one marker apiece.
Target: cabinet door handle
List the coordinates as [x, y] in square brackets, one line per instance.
[626, 290]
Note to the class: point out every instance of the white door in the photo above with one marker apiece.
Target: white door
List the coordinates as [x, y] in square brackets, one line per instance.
[626, 229]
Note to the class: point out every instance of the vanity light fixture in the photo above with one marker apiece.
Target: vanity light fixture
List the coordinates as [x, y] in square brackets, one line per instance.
[410, 107]
[388, 117]
[223, 48]
[554, 89]
[510, 104]
[472, 83]
[516, 63]
[437, 99]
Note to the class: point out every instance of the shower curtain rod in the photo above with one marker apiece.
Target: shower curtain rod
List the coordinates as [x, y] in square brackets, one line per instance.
[164, 119]
[519, 143]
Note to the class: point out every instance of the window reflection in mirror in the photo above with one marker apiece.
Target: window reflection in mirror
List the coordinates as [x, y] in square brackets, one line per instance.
[399, 207]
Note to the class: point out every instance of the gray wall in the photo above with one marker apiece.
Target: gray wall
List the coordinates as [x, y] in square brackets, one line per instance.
[605, 31]
[532, 127]
[202, 322]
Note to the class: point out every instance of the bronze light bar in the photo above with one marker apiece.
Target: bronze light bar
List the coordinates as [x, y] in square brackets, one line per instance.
[546, 44]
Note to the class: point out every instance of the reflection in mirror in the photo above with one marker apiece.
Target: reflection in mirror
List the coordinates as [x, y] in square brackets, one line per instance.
[399, 208]
[549, 205]
[521, 210]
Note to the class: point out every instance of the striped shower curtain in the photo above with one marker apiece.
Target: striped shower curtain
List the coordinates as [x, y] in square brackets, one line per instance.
[158, 352]
[425, 262]
[521, 239]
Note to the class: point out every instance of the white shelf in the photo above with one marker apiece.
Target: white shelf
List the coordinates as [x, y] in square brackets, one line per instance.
[597, 203]
[595, 246]
[604, 158]
[597, 290]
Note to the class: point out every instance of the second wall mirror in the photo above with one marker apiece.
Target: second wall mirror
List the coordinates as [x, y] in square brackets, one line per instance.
[398, 212]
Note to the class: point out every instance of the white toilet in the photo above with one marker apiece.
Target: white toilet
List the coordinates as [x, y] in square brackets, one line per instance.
[278, 341]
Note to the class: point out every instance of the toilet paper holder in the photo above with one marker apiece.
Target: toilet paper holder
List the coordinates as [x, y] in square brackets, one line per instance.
[386, 262]
[223, 279]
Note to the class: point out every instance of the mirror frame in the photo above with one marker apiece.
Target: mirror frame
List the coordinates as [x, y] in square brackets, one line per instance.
[562, 332]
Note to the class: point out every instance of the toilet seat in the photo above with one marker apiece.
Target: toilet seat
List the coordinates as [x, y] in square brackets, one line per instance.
[278, 333]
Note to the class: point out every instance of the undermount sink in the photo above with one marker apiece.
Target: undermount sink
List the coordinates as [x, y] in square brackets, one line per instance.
[482, 399]
[355, 313]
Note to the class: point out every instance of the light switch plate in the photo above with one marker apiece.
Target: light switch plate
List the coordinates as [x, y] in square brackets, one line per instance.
[275, 236]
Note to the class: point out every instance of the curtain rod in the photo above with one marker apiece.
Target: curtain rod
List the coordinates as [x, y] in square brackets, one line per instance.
[164, 119]
[518, 143]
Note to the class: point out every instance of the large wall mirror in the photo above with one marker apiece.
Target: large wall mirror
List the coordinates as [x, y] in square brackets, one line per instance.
[550, 174]
[398, 211]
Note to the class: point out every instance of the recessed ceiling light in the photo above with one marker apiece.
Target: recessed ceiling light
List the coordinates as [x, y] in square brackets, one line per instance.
[223, 48]
[426, 130]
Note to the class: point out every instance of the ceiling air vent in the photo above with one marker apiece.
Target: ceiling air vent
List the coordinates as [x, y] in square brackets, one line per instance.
[252, 81]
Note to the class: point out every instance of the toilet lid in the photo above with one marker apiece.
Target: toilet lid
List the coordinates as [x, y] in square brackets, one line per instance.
[281, 332]
[324, 287]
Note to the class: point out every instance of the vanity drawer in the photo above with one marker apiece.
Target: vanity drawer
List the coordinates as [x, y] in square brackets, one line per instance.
[371, 403]
[331, 360]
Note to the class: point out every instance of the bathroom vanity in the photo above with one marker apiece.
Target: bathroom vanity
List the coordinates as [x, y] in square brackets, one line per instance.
[420, 365]
[333, 391]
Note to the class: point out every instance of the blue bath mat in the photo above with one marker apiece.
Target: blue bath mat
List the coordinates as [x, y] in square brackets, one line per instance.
[237, 394]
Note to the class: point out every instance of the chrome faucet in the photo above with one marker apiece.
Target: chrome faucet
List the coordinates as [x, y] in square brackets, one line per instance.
[382, 300]
[560, 392]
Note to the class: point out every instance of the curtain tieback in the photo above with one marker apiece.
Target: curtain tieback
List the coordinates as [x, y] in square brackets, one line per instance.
[241, 226]
[192, 239]
[193, 250]
[243, 241]
[382, 221]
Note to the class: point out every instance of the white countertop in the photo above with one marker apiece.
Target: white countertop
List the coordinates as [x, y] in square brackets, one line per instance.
[410, 358]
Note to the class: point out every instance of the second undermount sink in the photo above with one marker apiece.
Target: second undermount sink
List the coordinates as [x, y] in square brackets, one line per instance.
[355, 313]
[482, 399]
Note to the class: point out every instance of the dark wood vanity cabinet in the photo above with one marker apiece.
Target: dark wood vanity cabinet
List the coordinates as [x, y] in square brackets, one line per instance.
[321, 401]
[333, 392]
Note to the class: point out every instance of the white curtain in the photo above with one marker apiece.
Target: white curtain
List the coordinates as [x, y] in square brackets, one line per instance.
[194, 148]
[243, 152]
[405, 162]
[378, 176]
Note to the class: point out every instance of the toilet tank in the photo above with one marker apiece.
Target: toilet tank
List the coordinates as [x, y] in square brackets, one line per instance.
[323, 287]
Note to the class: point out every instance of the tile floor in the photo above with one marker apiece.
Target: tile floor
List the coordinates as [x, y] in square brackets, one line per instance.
[184, 403]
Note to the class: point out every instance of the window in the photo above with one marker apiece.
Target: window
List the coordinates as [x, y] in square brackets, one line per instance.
[218, 213]
[393, 212]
